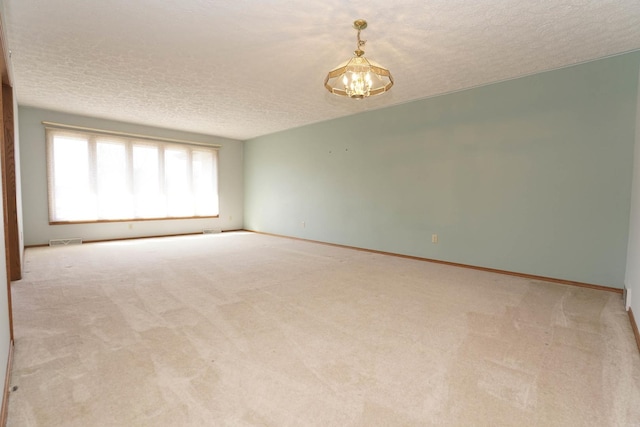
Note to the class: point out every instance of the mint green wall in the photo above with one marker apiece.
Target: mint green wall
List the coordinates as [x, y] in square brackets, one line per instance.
[632, 278]
[531, 175]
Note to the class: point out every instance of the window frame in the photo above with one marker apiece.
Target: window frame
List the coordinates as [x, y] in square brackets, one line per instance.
[129, 140]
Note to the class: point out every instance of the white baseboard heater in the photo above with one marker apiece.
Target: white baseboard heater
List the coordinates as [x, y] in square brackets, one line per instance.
[65, 242]
[211, 231]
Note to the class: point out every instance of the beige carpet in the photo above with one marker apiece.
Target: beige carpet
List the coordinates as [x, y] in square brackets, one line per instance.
[240, 329]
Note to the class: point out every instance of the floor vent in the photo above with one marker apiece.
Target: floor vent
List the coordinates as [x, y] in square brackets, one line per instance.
[65, 242]
[211, 231]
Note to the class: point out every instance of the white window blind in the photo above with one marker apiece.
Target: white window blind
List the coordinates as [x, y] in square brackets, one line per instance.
[96, 176]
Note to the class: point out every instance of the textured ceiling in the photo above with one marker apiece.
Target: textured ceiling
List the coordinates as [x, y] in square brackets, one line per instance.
[245, 68]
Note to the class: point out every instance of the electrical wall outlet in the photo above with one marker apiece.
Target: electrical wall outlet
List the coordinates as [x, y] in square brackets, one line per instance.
[434, 238]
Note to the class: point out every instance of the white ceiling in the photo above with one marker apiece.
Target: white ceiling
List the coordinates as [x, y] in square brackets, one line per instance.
[245, 68]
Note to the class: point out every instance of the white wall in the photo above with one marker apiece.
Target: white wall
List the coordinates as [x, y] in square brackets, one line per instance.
[34, 183]
[5, 334]
[632, 277]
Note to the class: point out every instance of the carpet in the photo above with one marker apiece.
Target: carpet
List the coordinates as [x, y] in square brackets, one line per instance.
[243, 329]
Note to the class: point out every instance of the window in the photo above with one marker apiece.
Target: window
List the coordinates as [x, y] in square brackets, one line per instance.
[116, 177]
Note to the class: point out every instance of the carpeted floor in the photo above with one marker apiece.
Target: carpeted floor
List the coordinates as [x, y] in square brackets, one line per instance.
[241, 329]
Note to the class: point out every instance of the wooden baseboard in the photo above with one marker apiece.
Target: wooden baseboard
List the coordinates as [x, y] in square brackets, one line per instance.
[634, 326]
[455, 264]
[135, 238]
[7, 382]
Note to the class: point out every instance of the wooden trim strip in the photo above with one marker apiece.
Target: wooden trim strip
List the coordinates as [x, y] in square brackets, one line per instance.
[141, 237]
[7, 382]
[61, 126]
[9, 181]
[100, 221]
[133, 238]
[455, 264]
[634, 326]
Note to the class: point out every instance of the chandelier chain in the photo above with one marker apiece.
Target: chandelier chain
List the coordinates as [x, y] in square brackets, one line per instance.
[360, 42]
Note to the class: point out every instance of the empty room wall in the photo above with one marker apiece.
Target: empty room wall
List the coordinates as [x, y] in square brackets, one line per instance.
[34, 183]
[531, 175]
[5, 331]
[632, 279]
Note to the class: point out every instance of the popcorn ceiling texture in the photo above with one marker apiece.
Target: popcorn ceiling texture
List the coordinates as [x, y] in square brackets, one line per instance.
[243, 69]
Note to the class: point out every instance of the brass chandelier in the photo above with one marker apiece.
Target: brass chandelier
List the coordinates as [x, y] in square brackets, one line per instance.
[358, 77]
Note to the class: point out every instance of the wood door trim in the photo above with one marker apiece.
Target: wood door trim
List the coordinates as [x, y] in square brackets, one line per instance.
[9, 181]
[5, 216]
[6, 80]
